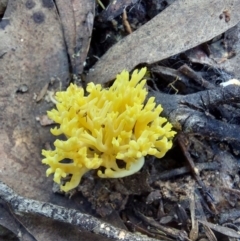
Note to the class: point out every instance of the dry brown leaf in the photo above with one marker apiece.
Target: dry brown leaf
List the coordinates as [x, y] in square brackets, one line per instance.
[183, 25]
[12, 230]
[77, 22]
[34, 53]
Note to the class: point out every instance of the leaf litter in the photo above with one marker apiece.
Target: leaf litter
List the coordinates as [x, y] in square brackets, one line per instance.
[211, 189]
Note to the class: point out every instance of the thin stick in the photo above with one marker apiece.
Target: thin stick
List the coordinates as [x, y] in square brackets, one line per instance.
[71, 216]
[126, 23]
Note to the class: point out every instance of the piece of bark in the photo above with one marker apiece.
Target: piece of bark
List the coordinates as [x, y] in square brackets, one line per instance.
[191, 23]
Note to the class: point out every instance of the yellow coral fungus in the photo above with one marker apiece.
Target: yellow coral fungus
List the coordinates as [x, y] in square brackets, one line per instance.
[105, 126]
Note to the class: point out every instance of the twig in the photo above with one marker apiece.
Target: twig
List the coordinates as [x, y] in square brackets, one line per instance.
[231, 191]
[184, 69]
[126, 23]
[186, 169]
[184, 145]
[172, 232]
[71, 216]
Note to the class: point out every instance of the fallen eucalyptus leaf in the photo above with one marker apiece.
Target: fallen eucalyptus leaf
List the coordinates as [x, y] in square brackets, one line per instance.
[192, 22]
[32, 52]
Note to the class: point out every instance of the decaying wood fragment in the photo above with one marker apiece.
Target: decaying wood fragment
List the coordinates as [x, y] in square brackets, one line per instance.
[190, 114]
